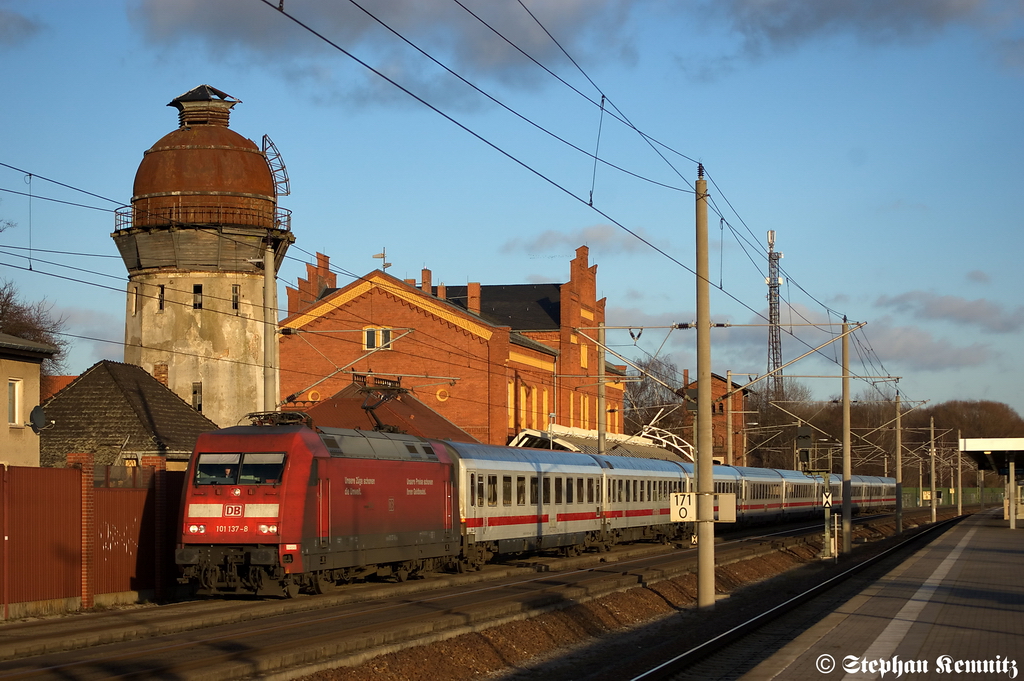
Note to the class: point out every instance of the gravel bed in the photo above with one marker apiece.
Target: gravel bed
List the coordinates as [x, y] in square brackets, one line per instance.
[601, 639]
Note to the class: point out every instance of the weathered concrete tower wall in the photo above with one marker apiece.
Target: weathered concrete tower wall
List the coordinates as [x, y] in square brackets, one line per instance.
[204, 209]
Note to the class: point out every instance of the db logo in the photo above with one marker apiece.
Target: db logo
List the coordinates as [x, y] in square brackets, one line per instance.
[233, 510]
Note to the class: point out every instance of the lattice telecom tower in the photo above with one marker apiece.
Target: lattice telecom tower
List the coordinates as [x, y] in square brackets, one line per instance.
[774, 281]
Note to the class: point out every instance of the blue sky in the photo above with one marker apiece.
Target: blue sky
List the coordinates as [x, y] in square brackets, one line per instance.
[881, 141]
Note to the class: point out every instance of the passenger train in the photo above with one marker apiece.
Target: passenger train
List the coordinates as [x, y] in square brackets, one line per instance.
[281, 507]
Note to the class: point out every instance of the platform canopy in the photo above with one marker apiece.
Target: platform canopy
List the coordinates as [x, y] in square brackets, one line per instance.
[993, 453]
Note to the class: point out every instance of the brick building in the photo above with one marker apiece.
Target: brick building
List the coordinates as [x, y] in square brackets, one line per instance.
[720, 426]
[492, 359]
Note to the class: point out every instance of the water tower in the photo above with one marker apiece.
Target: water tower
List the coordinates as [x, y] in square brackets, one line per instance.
[202, 241]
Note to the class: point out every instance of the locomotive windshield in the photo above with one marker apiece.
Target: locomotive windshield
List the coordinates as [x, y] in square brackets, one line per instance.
[257, 468]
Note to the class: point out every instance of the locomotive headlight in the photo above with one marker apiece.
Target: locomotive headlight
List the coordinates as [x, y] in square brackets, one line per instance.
[268, 529]
[236, 492]
[197, 529]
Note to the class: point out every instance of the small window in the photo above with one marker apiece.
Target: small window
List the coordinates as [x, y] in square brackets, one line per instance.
[235, 295]
[547, 490]
[558, 490]
[197, 396]
[472, 489]
[14, 401]
[590, 490]
[135, 300]
[197, 296]
[533, 490]
[480, 490]
[579, 490]
[568, 491]
[376, 338]
[521, 491]
[160, 298]
[506, 490]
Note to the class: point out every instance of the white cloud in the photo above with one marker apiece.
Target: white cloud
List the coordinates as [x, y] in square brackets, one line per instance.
[16, 28]
[980, 313]
[603, 240]
[228, 29]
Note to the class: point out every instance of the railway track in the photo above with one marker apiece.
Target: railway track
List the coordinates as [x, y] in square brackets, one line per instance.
[232, 639]
[731, 640]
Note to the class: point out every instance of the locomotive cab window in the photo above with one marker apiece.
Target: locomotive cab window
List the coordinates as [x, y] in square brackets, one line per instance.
[217, 469]
[261, 468]
[253, 468]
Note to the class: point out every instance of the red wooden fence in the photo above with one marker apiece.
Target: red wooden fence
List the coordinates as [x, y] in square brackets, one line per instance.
[74, 533]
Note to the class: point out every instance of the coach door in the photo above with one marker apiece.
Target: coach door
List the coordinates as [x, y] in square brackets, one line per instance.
[473, 499]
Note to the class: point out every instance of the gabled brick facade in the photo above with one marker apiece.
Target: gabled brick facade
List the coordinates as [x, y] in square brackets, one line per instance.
[720, 426]
[491, 359]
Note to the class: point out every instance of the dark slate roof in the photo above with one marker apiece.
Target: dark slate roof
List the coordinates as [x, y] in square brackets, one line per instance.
[22, 348]
[116, 409]
[524, 307]
[203, 93]
[527, 342]
[406, 412]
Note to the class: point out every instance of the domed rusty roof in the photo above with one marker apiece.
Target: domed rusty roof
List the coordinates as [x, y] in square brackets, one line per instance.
[204, 159]
[203, 156]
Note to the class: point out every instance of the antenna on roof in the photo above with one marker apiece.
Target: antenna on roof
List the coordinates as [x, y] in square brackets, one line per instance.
[383, 255]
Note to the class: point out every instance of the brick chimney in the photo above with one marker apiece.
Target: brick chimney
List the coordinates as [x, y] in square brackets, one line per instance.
[473, 297]
[425, 282]
[442, 292]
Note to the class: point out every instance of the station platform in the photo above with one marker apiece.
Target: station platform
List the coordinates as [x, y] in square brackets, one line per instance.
[953, 610]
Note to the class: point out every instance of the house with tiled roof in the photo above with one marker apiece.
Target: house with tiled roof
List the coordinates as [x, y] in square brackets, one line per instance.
[492, 359]
[20, 362]
[377, 404]
[119, 413]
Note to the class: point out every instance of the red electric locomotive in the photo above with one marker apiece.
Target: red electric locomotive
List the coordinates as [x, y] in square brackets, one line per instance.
[273, 511]
[281, 507]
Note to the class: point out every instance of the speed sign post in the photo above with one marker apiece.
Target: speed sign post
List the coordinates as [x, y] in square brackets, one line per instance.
[826, 502]
[683, 507]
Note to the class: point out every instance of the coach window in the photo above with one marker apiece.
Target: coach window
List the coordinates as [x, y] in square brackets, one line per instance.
[579, 490]
[533, 490]
[590, 490]
[506, 490]
[492, 490]
[520, 491]
[568, 490]
[629, 491]
[480, 490]
[558, 490]
[547, 490]
[472, 489]
[619, 485]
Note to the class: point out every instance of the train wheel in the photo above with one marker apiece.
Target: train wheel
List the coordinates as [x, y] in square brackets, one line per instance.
[322, 583]
[401, 574]
[291, 588]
